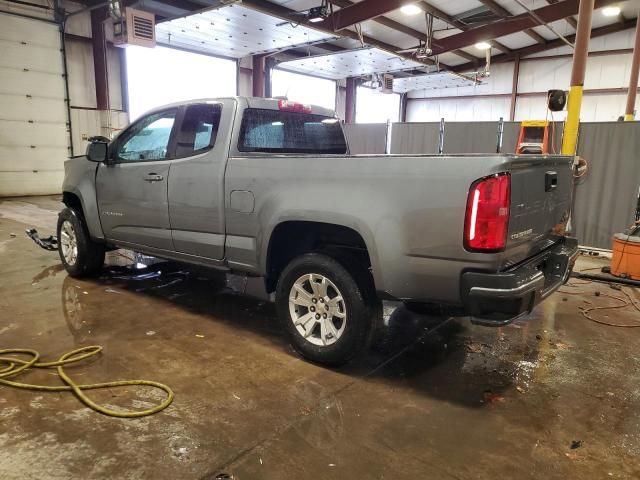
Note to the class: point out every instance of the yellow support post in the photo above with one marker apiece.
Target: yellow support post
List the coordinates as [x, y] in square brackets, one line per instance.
[572, 123]
[580, 54]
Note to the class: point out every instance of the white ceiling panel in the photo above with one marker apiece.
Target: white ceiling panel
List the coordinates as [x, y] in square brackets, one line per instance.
[515, 40]
[512, 6]
[235, 31]
[560, 26]
[455, 7]
[417, 22]
[452, 59]
[353, 63]
[431, 81]
[447, 32]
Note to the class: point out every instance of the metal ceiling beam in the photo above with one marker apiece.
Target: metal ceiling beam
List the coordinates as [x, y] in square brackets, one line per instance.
[570, 20]
[387, 22]
[360, 12]
[399, 27]
[518, 23]
[445, 17]
[504, 13]
[551, 44]
[290, 15]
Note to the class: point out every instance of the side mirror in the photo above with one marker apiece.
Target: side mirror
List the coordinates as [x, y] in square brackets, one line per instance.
[97, 149]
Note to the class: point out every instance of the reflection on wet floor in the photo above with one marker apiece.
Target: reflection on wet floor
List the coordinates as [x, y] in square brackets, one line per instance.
[550, 396]
[408, 346]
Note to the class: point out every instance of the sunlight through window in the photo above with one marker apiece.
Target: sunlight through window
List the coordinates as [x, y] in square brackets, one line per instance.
[157, 76]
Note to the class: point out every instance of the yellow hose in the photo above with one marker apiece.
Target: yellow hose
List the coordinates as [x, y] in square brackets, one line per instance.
[14, 366]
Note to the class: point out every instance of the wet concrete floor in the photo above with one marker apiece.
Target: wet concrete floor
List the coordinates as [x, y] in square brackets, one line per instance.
[436, 398]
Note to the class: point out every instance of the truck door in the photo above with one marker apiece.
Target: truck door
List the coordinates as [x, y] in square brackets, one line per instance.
[132, 187]
[196, 193]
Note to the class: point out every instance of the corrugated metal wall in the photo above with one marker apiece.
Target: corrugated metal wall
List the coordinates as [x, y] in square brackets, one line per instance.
[415, 138]
[366, 137]
[606, 198]
[420, 138]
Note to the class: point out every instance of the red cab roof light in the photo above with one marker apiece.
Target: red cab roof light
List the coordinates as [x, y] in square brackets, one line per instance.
[487, 217]
[287, 106]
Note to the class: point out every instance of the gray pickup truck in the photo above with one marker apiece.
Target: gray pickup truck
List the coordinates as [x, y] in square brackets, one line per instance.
[267, 188]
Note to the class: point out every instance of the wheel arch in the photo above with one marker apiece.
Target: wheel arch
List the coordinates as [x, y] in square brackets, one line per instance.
[293, 236]
[89, 212]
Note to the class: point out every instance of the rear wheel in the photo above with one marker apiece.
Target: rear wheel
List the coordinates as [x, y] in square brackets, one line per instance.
[80, 255]
[327, 312]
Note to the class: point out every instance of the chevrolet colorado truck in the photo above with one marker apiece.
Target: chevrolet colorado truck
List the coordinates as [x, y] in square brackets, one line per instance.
[267, 188]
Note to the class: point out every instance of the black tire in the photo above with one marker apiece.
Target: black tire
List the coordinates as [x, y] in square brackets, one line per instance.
[90, 255]
[359, 304]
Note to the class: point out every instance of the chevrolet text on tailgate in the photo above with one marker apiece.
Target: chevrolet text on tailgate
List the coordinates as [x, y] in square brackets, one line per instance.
[267, 188]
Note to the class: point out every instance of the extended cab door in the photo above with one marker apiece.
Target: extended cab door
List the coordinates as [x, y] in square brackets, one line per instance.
[132, 186]
[196, 181]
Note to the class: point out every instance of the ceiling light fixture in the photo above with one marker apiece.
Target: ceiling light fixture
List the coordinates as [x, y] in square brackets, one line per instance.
[483, 45]
[611, 11]
[410, 9]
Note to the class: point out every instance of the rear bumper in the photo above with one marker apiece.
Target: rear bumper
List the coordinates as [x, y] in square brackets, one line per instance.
[499, 298]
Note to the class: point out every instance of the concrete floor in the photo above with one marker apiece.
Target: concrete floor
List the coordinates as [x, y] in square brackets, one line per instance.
[436, 399]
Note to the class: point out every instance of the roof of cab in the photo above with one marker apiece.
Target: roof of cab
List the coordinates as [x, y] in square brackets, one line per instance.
[246, 102]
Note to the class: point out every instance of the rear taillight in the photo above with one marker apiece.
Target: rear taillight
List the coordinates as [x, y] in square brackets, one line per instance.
[487, 220]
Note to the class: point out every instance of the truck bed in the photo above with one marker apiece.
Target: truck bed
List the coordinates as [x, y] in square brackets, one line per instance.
[409, 209]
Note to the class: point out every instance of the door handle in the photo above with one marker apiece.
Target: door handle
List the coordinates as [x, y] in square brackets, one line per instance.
[550, 181]
[153, 177]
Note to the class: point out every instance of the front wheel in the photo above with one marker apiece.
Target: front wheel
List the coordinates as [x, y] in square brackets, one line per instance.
[80, 255]
[326, 310]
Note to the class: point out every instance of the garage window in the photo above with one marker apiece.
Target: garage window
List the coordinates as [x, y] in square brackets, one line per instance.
[198, 130]
[159, 76]
[303, 89]
[273, 131]
[376, 107]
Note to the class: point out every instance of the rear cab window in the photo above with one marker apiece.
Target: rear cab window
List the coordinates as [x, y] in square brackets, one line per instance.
[275, 131]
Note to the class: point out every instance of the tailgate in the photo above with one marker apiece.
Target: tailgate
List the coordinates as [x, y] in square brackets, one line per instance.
[541, 197]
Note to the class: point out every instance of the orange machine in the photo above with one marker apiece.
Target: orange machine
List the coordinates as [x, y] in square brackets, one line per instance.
[534, 137]
[625, 262]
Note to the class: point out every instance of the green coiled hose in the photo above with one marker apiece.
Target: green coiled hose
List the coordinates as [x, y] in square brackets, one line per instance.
[14, 366]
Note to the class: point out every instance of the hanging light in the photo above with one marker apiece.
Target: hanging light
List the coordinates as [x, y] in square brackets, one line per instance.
[483, 45]
[410, 9]
[611, 11]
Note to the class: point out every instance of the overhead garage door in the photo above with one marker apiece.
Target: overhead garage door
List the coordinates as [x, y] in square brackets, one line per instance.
[33, 130]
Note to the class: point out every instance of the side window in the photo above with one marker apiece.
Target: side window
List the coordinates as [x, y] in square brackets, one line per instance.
[148, 139]
[198, 130]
